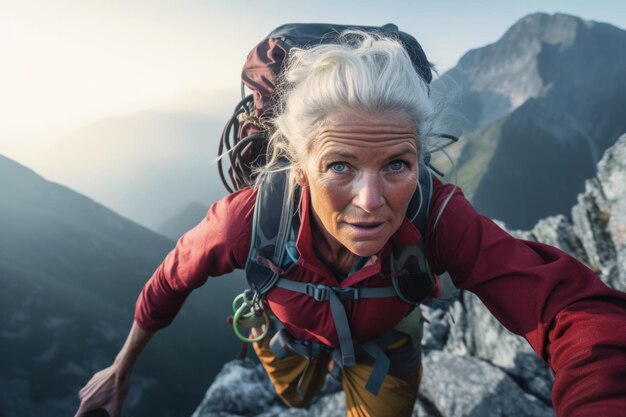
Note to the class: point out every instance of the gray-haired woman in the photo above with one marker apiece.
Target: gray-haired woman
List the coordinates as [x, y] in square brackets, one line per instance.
[353, 121]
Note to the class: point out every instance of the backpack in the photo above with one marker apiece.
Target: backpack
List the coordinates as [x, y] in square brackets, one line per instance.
[275, 220]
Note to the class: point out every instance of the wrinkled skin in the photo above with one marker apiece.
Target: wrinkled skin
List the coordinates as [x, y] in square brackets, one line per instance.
[107, 389]
[361, 174]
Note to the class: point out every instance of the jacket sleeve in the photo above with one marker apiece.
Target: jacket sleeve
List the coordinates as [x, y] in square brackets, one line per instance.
[216, 246]
[572, 320]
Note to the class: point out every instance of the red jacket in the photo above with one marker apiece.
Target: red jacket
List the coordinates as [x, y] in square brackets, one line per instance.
[571, 319]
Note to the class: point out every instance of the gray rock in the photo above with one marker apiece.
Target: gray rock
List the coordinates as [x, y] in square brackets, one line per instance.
[243, 389]
[333, 405]
[468, 387]
[424, 408]
[600, 217]
[240, 389]
[558, 231]
[478, 334]
[436, 329]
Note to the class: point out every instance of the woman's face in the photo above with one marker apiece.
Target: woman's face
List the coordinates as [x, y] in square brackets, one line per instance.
[361, 172]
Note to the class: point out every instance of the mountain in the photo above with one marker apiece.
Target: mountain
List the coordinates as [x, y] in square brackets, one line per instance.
[209, 102]
[175, 226]
[147, 166]
[540, 106]
[70, 272]
[473, 365]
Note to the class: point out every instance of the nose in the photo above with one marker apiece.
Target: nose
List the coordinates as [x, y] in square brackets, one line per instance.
[368, 194]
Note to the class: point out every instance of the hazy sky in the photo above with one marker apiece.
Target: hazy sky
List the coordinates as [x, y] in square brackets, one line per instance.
[65, 63]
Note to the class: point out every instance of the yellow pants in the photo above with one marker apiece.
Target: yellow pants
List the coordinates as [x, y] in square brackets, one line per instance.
[396, 397]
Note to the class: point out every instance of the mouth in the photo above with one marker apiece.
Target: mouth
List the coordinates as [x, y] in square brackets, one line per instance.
[366, 225]
[366, 229]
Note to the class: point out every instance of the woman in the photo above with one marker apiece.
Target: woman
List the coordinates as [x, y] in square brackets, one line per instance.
[353, 120]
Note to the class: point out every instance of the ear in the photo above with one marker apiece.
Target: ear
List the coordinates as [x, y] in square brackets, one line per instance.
[300, 177]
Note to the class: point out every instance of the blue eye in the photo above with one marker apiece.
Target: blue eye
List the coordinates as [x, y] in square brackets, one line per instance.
[338, 167]
[397, 165]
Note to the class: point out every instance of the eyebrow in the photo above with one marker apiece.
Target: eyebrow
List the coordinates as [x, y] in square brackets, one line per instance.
[338, 154]
[349, 156]
[402, 153]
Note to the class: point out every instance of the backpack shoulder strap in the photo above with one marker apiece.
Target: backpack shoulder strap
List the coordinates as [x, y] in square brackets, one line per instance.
[272, 229]
[419, 207]
[411, 274]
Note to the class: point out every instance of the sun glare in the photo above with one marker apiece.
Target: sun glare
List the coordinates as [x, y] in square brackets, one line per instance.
[73, 66]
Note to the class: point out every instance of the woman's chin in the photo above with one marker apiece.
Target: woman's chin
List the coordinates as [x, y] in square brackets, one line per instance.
[368, 249]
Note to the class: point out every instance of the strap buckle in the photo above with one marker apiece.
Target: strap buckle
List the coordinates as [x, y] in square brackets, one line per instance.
[318, 292]
[348, 293]
[322, 292]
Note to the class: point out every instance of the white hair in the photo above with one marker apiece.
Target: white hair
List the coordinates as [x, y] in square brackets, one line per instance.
[364, 72]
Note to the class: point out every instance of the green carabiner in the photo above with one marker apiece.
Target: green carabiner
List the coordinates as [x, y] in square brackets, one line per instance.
[245, 302]
[238, 315]
[245, 306]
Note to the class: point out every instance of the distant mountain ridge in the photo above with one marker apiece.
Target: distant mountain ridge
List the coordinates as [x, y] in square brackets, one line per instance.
[497, 78]
[70, 272]
[191, 215]
[146, 166]
[541, 105]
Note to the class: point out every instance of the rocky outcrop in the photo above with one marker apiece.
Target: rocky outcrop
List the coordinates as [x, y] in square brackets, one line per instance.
[473, 366]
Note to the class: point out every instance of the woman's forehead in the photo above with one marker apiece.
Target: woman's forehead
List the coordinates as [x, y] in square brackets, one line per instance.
[349, 131]
[365, 148]
[352, 120]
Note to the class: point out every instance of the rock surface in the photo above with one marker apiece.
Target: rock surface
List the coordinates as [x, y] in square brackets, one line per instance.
[473, 366]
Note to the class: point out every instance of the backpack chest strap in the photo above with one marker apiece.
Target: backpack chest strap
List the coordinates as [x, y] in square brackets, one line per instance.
[322, 292]
[335, 295]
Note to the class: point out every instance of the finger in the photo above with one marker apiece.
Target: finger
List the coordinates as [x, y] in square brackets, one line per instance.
[98, 412]
[113, 411]
[85, 410]
[80, 411]
[83, 391]
[86, 405]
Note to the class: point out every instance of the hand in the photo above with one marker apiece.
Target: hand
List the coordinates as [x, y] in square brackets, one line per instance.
[106, 390]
